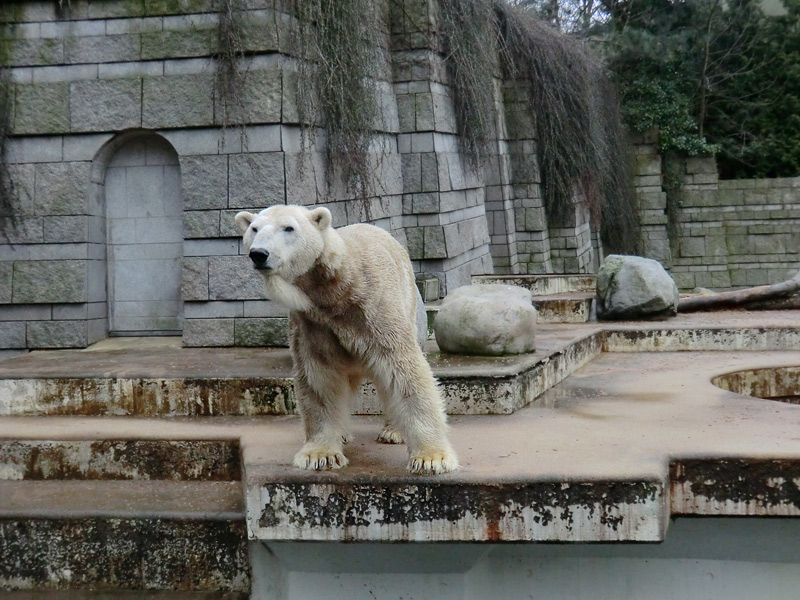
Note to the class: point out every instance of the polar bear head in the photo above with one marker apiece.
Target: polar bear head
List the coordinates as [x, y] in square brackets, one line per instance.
[286, 241]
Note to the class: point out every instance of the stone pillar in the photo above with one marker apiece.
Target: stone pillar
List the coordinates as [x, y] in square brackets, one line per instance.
[443, 198]
[532, 237]
[648, 180]
[571, 249]
[700, 257]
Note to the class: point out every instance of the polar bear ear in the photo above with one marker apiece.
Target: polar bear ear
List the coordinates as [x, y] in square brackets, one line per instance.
[243, 220]
[321, 217]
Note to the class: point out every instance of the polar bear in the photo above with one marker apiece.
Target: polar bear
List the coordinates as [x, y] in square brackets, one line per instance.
[352, 303]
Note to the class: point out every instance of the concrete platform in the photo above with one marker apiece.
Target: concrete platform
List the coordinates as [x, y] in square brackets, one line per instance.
[632, 433]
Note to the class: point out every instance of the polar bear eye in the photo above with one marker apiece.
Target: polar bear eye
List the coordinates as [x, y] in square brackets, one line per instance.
[255, 229]
[288, 228]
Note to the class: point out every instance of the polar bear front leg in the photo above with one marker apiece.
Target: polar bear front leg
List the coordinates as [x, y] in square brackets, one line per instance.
[324, 419]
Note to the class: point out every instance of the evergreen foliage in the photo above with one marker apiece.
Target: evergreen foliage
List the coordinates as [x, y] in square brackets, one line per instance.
[713, 77]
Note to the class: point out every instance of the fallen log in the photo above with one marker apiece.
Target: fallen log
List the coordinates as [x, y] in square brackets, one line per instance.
[740, 297]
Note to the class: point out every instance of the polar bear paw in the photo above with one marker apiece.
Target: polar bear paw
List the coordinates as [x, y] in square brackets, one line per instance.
[318, 458]
[433, 462]
[390, 435]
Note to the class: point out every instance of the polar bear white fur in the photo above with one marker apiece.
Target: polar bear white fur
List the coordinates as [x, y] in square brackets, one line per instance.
[352, 303]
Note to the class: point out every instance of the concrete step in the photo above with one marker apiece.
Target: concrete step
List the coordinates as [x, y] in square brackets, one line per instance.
[543, 285]
[567, 307]
[143, 516]
[167, 381]
[570, 307]
[558, 298]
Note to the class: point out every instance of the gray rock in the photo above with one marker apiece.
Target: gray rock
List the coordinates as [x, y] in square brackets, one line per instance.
[489, 320]
[632, 287]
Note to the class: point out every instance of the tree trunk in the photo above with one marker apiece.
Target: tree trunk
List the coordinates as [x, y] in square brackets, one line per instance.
[740, 297]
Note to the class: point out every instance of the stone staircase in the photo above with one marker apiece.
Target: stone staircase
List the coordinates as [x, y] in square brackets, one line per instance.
[122, 518]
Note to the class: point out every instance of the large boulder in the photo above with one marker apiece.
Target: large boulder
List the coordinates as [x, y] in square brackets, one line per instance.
[487, 320]
[632, 287]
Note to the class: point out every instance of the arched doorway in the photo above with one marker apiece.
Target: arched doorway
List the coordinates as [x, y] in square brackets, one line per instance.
[144, 236]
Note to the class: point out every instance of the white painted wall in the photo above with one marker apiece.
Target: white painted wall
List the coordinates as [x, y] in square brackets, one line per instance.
[702, 559]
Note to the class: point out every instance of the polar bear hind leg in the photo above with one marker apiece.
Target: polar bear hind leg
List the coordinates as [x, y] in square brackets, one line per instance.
[414, 405]
[390, 435]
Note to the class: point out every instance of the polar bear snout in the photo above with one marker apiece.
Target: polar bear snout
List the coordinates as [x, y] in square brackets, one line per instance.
[259, 258]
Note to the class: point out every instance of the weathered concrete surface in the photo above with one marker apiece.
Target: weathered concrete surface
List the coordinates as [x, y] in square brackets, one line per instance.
[570, 307]
[773, 383]
[165, 460]
[607, 454]
[126, 554]
[543, 285]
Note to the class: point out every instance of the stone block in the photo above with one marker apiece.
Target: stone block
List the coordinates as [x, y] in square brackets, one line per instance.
[259, 32]
[429, 172]
[425, 203]
[652, 200]
[204, 182]
[41, 108]
[194, 279]
[12, 334]
[178, 44]
[260, 100]
[208, 332]
[261, 332]
[411, 168]
[289, 111]
[648, 164]
[423, 110]
[178, 101]
[213, 310]
[701, 164]
[201, 224]
[406, 112]
[62, 188]
[106, 104]
[22, 179]
[101, 49]
[306, 173]
[692, 246]
[415, 242]
[6, 270]
[24, 230]
[233, 278]
[52, 281]
[35, 52]
[716, 246]
[66, 229]
[434, 242]
[56, 334]
[256, 180]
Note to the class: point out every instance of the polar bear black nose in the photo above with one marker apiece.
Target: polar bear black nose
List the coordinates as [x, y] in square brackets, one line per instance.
[259, 258]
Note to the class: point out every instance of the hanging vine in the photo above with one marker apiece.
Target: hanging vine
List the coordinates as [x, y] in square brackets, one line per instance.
[338, 46]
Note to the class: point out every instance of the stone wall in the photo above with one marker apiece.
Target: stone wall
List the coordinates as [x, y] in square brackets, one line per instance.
[721, 234]
[97, 78]
[737, 233]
